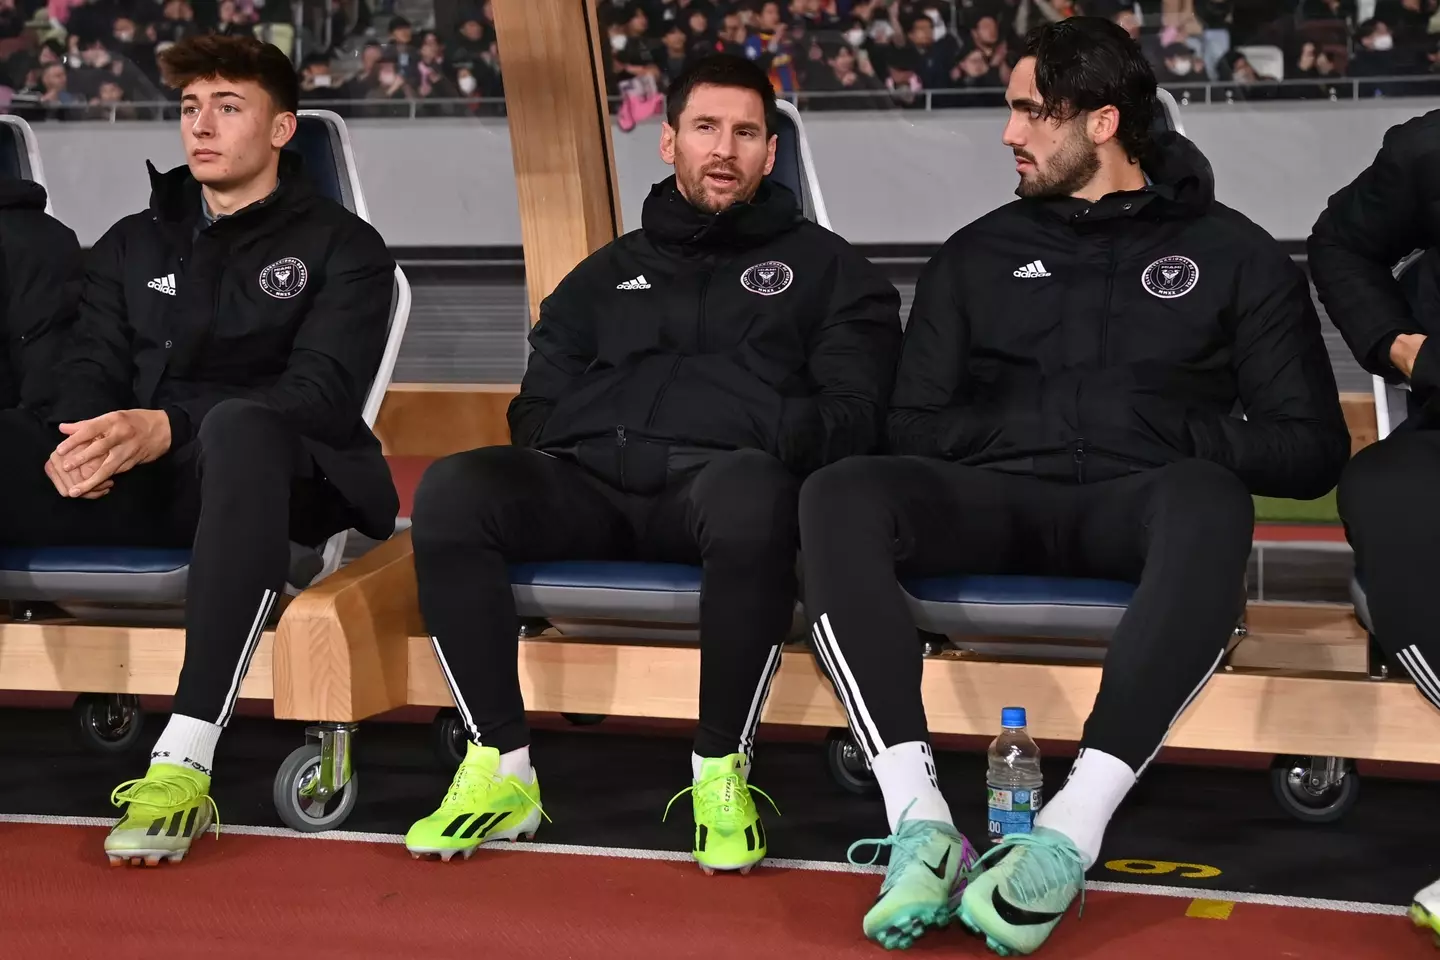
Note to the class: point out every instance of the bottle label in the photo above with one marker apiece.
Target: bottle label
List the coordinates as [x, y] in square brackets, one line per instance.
[1012, 810]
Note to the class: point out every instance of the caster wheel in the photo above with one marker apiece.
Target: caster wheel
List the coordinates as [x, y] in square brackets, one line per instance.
[108, 724]
[294, 793]
[848, 767]
[1315, 789]
[448, 737]
[584, 719]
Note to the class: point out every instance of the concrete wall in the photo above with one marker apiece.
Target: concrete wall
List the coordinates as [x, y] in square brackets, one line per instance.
[888, 178]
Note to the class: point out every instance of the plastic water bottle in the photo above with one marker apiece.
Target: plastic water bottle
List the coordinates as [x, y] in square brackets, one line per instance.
[1014, 782]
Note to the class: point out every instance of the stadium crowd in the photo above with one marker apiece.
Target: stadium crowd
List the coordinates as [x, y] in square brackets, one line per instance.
[80, 59]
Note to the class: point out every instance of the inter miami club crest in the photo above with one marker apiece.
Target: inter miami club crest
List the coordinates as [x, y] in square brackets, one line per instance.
[1171, 277]
[768, 278]
[284, 279]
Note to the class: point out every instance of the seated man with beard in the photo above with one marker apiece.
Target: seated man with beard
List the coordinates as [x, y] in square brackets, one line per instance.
[1065, 406]
[684, 380]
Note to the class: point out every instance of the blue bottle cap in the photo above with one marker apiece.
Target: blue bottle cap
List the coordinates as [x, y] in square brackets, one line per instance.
[1012, 717]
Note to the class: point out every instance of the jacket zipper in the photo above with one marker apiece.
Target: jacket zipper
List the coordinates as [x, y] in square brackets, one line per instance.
[700, 324]
[1109, 292]
[660, 394]
[1079, 455]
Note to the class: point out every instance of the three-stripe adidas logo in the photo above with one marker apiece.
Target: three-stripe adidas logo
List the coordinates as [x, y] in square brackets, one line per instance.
[165, 284]
[175, 829]
[639, 283]
[479, 823]
[1032, 271]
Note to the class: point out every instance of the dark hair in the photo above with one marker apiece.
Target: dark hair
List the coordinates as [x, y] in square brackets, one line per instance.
[722, 70]
[236, 58]
[1085, 63]
[1368, 27]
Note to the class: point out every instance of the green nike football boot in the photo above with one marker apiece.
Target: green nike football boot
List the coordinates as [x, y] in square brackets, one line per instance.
[481, 806]
[1022, 890]
[930, 862]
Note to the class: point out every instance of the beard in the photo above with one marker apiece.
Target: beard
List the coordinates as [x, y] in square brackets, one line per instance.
[1071, 167]
[696, 189]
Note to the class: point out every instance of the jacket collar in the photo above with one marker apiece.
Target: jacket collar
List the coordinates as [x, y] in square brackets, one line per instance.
[1182, 186]
[669, 218]
[175, 194]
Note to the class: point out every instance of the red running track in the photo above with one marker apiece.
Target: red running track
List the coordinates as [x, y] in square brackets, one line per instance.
[260, 896]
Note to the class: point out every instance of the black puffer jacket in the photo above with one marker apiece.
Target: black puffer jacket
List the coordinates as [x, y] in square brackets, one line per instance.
[1083, 341]
[752, 328]
[39, 284]
[286, 303]
[1391, 209]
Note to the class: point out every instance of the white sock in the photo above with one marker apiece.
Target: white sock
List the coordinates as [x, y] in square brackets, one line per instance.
[1083, 807]
[906, 774]
[187, 742]
[516, 763]
[697, 761]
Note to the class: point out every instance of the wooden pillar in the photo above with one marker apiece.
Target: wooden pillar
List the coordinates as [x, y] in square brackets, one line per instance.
[553, 57]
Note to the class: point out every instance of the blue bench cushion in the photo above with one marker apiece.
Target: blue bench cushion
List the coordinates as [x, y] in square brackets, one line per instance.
[1020, 591]
[93, 559]
[608, 575]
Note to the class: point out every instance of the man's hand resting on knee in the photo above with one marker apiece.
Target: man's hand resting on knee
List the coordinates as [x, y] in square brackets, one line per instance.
[96, 450]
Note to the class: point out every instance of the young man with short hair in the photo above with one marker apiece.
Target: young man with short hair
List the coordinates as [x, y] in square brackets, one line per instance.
[211, 397]
[1064, 406]
[684, 379]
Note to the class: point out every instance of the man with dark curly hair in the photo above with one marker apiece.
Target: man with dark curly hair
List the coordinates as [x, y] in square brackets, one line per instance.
[1065, 406]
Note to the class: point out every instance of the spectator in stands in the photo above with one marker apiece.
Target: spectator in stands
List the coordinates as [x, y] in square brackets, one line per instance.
[868, 52]
[994, 50]
[1387, 495]
[935, 60]
[211, 397]
[771, 47]
[178, 22]
[39, 285]
[903, 82]
[697, 25]
[109, 103]
[55, 94]
[1004, 358]
[668, 439]
[359, 86]
[12, 21]
[471, 43]
[1376, 56]
[390, 85]
[846, 80]
[1182, 65]
[674, 53]
[316, 81]
[233, 21]
[101, 66]
[401, 48]
[1409, 20]
[432, 51]
[734, 35]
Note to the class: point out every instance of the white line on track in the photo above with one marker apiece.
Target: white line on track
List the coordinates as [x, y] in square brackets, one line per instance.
[826, 866]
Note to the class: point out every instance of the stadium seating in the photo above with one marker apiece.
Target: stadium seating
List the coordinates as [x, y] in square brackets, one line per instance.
[156, 576]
